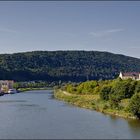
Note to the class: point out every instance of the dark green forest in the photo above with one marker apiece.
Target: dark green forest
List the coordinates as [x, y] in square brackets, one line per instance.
[75, 66]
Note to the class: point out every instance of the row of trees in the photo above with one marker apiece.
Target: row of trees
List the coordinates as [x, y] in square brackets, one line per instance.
[112, 91]
[35, 84]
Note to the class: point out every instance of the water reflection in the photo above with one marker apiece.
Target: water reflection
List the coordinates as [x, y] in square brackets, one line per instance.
[134, 127]
[134, 123]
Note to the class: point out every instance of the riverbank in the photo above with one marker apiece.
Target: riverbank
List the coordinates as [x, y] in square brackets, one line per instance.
[30, 89]
[27, 89]
[91, 102]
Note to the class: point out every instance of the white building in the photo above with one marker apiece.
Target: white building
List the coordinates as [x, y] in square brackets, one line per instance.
[132, 75]
[5, 85]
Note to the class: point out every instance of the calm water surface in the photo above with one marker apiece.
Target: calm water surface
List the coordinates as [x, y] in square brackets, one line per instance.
[36, 115]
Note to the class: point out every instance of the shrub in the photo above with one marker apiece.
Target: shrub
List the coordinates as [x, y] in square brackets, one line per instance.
[134, 105]
[123, 89]
[137, 89]
[104, 93]
[69, 88]
[87, 87]
[114, 101]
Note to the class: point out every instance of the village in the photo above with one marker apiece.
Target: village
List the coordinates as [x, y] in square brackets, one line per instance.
[7, 86]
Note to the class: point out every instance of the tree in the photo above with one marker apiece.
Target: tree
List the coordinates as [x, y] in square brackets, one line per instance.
[123, 88]
[69, 88]
[114, 101]
[105, 91]
[137, 89]
[80, 88]
[134, 105]
[16, 85]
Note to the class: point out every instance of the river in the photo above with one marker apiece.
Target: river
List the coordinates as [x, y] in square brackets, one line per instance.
[37, 115]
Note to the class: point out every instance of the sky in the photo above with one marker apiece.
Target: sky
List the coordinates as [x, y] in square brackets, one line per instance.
[70, 25]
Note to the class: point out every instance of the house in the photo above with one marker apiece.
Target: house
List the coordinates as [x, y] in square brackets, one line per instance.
[5, 85]
[132, 75]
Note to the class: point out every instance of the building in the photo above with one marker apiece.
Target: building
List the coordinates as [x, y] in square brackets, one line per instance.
[5, 85]
[132, 75]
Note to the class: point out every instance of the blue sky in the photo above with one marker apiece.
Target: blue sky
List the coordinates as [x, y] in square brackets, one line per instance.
[80, 25]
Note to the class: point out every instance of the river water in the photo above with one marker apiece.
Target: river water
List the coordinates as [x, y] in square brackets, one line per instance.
[37, 115]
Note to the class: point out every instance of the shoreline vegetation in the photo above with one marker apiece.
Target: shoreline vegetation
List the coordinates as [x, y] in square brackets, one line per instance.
[115, 97]
[30, 89]
[33, 85]
[87, 103]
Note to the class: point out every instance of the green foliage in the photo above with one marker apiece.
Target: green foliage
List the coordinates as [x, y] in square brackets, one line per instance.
[80, 88]
[75, 66]
[69, 88]
[87, 87]
[105, 91]
[33, 84]
[137, 89]
[116, 96]
[114, 101]
[134, 106]
[113, 93]
[122, 89]
[16, 85]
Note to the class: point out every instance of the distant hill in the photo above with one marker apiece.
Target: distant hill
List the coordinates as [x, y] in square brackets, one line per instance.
[65, 65]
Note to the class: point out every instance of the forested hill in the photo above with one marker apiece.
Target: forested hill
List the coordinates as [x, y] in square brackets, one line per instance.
[65, 65]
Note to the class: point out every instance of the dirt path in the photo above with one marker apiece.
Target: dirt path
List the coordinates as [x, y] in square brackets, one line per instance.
[66, 93]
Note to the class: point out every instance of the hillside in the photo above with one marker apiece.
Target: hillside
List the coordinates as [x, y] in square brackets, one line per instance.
[65, 65]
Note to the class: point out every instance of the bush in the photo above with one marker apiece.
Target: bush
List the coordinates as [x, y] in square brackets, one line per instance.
[134, 105]
[104, 93]
[87, 87]
[69, 88]
[137, 89]
[123, 89]
[114, 102]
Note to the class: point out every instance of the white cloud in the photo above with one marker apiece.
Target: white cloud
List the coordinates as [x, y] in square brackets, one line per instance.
[105, 32]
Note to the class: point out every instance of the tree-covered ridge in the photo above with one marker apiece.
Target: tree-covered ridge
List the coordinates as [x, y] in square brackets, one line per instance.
[65, 65]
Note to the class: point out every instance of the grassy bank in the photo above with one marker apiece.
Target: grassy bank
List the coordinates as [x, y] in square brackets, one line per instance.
[92, 102]
[29, 89]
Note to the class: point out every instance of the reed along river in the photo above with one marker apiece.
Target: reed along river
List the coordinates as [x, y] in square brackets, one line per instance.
[37, 115]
